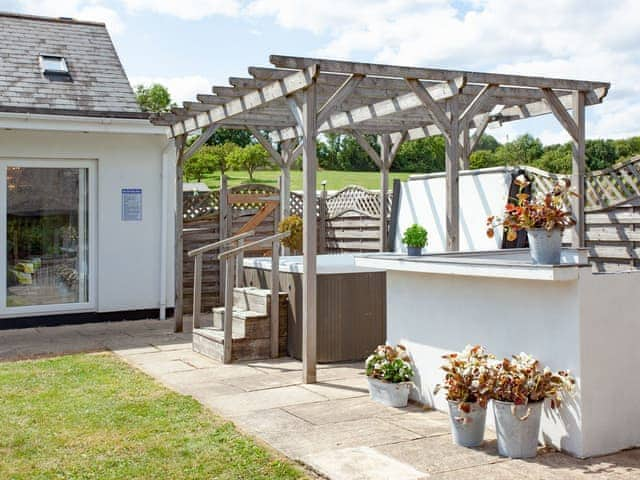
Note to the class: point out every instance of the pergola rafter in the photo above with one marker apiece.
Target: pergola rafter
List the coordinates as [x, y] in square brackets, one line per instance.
[299, 98]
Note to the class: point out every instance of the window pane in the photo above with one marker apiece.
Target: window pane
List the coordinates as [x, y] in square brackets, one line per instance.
[53, 64]
[47, 236]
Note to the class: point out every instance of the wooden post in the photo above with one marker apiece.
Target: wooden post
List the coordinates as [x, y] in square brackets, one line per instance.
[322, 220]
[197, 290]
[385, 164]
[223, 208]
[309, 245]
[395, 211]
[275, 299]
[228, 310]
[466, 147]
[578, 170]
[239, 265]
[179, 235]
[452, 188]
[285, 191]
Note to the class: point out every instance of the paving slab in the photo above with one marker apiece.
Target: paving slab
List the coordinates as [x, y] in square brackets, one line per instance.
[264, 381]
[342, 410]
[427, 423]
[263, 400]
[271, 422]
[361, 463]
[439, 454]
[342, 388]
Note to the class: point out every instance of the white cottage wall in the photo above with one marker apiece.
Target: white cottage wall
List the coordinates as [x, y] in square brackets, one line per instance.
[128, 253]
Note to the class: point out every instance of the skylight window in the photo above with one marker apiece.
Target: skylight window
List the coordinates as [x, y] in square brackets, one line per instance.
[53, 64]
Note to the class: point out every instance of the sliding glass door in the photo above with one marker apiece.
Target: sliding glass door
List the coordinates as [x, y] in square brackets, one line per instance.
[48, 236]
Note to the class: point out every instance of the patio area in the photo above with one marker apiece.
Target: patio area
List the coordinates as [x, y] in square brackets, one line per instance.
[332, 427]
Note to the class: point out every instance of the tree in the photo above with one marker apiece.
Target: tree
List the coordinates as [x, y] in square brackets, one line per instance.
[208, 159]
[483, 159]
[524, 150]
[600, 154]
[242, 138]
[249, 158]
[197, 167]
[425, 155]
[556, 159]
[155, 98]
[487, 142]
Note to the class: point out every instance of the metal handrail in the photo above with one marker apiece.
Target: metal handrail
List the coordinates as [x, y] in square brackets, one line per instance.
[275, 291]
[234, 251]
[212, 246]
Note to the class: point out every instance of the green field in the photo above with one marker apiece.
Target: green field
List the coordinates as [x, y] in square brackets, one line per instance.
[335, 179]
[94, 417]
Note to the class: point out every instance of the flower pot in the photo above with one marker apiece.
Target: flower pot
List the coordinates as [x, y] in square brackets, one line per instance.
[517, 428]
[467, 428]
[414, 251]
[545, 245]
[389, 394]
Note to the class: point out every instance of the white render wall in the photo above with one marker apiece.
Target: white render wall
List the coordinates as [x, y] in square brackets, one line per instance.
[482, 193]
[590, 326]
[128, 253]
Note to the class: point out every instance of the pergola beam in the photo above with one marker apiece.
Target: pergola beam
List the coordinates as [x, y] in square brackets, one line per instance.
[338, 66]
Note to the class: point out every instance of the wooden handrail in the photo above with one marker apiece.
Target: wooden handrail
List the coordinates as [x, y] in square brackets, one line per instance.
[212, 246]
[275, 291]
[235, 251]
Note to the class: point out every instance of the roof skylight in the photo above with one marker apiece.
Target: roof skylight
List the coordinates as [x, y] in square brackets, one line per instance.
[53, 64]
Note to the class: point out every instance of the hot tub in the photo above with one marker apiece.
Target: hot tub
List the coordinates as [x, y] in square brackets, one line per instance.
[351, 304]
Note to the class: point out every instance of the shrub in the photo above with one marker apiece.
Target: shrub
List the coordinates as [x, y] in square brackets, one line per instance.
[415, 236]
[293, 224]
[390, 364]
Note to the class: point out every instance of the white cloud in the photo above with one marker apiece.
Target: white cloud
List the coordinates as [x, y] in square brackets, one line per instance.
[571, 38]
[186, 9]
[180, 88]
[92, 10]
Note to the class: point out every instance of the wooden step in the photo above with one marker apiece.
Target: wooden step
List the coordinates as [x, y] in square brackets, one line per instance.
[255, 299]
[251, 324]
[209, 341]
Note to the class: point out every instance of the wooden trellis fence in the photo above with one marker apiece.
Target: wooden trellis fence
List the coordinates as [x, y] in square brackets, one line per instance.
[348, 221]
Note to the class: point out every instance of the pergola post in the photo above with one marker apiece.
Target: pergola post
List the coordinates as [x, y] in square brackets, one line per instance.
[385, 165]
[178, 274]
[452, 200]
[466, 147]
[578, 169]
[306, 114]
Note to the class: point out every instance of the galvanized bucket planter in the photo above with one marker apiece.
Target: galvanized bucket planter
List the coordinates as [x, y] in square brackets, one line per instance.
[414, 251]
[389, 394]
[517, 428]
[467, 428]
[545, 245]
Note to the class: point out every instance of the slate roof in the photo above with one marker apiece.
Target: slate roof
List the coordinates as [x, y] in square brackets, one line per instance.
[99, 85]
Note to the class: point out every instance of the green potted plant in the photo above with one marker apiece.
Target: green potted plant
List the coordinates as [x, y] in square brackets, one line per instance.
[519, 391]
[415, 238]
[468, 383]
[544, 218]
[389, 374]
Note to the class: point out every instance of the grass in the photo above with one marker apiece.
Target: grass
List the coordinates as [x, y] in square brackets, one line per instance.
[336, 179]
[94, 417]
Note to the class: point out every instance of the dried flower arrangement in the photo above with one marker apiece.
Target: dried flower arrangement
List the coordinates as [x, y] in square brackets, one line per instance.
[293, 224]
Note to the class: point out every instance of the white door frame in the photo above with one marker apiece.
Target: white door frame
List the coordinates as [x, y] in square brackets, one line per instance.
[92, 223]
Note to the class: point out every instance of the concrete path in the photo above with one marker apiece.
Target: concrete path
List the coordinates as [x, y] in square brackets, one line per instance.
[332, 426]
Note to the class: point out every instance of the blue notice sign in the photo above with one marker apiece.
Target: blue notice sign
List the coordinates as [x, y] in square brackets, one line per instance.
[131, 205]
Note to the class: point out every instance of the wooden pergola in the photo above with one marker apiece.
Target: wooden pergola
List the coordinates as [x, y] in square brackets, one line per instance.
[301, 98]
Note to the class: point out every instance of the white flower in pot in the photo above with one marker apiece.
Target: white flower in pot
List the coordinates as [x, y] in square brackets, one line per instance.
[544, 218]
[389, 374]
[468, 383]
[518, 396]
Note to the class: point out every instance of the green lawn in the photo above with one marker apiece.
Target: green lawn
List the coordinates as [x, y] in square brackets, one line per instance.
[94, 417]
[335, 179]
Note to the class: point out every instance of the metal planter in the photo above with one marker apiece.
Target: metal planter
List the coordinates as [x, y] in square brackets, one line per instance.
[517, 428]
[467, 428]
[545, 245]
[389, 394]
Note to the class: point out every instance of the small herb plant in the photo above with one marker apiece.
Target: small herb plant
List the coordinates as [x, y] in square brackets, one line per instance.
[546, 211]
[415, 236]
[469, 378]
[293, 224]
[521, 380]
[391, 364]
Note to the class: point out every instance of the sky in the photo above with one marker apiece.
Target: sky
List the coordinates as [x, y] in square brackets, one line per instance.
[190, 45]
